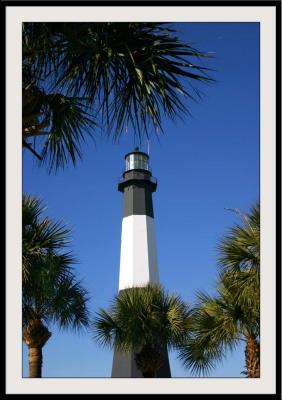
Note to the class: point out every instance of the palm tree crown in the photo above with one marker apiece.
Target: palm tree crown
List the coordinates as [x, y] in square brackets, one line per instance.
[76, 75]
[146, 318]
[50, 290]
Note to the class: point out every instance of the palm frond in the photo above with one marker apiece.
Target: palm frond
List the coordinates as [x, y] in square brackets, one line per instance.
[68, 305]
[50, 290]
[143, 316]
[244, 288]
[240, 247]
[215, 330]
[107, 331]
[130, 72]
[58, 125]
[70, 123]
[198, 359]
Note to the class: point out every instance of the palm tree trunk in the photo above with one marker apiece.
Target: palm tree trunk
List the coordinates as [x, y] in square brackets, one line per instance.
[252, 358]
[148, 361]
[35, 362]
[35, 335]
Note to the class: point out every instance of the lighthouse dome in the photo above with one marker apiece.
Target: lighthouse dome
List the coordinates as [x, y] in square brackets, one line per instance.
[136, 160]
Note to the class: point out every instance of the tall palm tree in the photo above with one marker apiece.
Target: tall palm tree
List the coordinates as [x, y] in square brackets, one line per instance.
[51, 294]
[144, 318]
[76, 75]
[233, 314]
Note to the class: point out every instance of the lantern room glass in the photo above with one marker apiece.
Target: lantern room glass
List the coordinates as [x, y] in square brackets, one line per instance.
[136, 161]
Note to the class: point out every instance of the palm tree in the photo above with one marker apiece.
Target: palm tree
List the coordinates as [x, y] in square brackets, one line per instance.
[51, 294]
[76, 75]
[233, 314]
[144, 318]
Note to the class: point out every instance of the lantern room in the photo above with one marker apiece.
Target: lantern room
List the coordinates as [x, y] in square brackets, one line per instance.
[136, 160]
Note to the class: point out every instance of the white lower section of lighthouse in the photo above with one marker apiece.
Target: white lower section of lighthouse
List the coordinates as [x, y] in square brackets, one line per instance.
[138, 257]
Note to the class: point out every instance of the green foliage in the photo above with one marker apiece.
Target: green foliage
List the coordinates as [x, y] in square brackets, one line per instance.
[122, 73]
[240, 248]
[50, 290]
[239, 257]
[146, 318]
[58, 121]
[233, 314]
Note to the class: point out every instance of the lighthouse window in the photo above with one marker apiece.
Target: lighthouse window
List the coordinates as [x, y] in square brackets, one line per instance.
[136, 161]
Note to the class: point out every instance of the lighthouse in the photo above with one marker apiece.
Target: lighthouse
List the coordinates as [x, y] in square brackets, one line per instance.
[138, 253]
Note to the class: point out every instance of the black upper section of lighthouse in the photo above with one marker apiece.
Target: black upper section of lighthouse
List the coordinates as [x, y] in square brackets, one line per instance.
[137, 185]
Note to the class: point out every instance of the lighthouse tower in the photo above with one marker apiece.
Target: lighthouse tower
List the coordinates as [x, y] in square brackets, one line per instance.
[138, 256]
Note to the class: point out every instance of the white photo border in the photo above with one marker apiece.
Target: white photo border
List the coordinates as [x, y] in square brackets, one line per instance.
[266, 16]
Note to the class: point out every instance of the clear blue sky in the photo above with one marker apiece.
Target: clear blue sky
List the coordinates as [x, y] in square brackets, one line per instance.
[203, 164]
